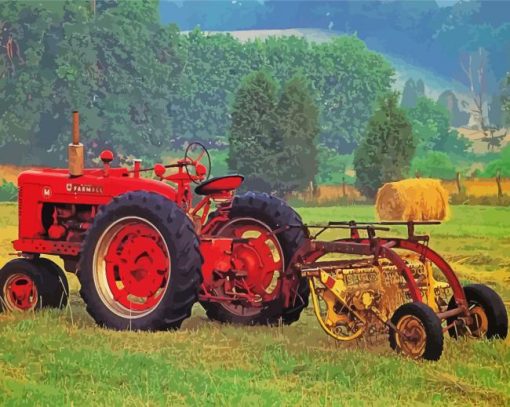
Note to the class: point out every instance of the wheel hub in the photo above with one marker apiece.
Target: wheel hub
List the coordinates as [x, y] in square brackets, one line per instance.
[20, 292]
[413, 339]
[480, 322]
[132, 267]
[142, 266]
[260, 257]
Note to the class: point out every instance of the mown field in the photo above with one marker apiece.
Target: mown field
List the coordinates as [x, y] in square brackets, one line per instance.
[60, 358]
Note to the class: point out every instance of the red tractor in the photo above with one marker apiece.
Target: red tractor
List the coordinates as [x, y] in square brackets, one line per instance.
[146, 250]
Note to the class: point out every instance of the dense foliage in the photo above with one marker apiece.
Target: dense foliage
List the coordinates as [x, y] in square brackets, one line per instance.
[272, 138]
[431, 127]
[8, 191]
[432, 164]
[420, 31]
[500, 166]
[345, 75]
[334, 168]
[253, 140]
[387, 148]
[143, 87]
[118, 66]
[506, 101]
[297, 123]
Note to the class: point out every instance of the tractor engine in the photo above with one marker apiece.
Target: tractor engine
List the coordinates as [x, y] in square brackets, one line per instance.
[67, 222]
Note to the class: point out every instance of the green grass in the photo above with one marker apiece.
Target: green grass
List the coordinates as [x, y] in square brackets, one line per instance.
[61, 358]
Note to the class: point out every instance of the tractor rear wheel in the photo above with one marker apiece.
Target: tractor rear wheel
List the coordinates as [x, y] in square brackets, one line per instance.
[140, 264]
[419, 334]
[265, 258]
[489, 315]
[29, 285]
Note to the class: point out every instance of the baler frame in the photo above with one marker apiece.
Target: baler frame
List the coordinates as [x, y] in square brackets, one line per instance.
[307, 263]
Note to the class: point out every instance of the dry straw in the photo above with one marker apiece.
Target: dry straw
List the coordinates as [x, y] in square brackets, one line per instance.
[412, 199]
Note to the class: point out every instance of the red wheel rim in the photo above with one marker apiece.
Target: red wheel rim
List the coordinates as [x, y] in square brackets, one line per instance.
[131, 267]
[20, 293]
[261, 257]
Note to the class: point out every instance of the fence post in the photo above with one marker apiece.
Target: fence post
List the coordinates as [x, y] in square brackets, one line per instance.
[498, 182]
[343, 186]
[457, 179]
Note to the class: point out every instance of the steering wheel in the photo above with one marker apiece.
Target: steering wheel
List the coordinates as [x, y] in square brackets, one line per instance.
[194, 154]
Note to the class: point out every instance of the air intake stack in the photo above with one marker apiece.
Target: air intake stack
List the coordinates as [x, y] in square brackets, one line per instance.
[75, 149]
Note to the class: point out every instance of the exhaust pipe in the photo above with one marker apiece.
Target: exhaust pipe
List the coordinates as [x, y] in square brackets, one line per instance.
[75, 150]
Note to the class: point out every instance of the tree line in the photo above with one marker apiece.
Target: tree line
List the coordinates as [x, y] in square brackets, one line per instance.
[142, 86]
[292, 112]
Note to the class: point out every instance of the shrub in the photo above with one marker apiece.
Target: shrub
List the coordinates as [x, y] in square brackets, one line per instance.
[8, 191]
[433, 164]
[501, 164]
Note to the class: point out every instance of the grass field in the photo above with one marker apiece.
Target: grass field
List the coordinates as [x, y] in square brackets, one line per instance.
[60, 358]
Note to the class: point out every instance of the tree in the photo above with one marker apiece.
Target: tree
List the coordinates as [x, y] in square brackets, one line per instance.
[298, 126]
[449, 100]
[412, 92]
[116, 67]
[474, 66]
[431, 129]
[387, 148]
[333, 167]
[120, 76]
[506, 101]
[348, 79]
[495, 111]
[500, 165]
[27, 71]
[433, 164]
[253, 143]
[214, 66]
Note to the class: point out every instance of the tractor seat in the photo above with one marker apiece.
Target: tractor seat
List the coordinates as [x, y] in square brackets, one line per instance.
[219, 184]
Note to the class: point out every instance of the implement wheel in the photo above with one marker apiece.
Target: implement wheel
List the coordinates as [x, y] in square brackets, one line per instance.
[489, 315]
[265, 258]
[140, 265]
[419, 334]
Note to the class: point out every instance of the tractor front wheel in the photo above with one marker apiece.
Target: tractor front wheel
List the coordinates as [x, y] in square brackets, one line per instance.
[418, 333]
[29, 285]
[140, 264]
[58, 290]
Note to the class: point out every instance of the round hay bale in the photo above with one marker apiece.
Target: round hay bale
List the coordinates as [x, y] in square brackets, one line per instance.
[415, 199]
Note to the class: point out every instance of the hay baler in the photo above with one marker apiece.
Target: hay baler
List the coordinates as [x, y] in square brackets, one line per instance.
[146, 250]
